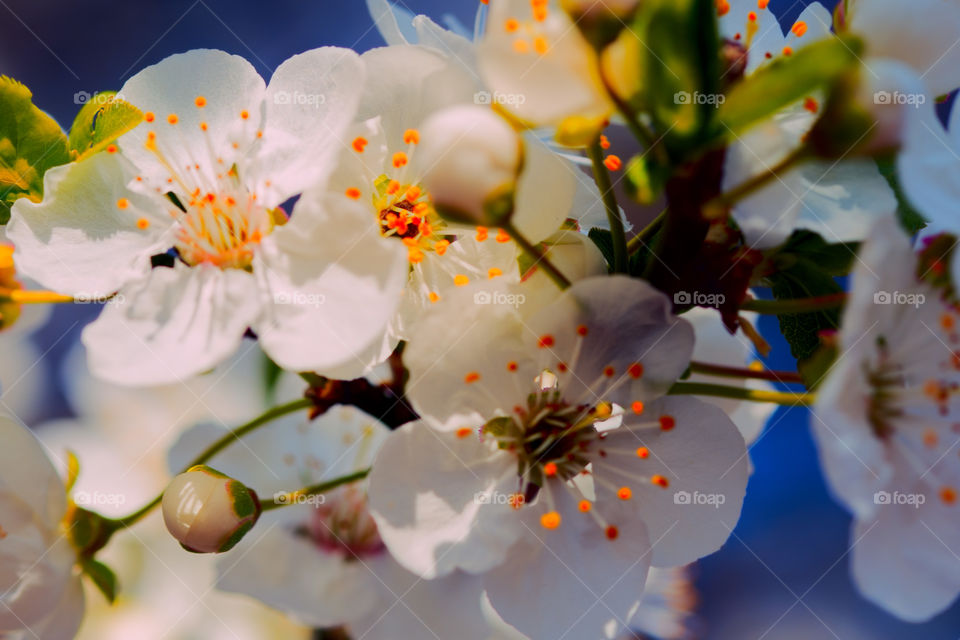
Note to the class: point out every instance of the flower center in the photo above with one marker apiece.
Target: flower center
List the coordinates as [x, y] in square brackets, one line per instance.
[222, 228]
[343, 524]
[404, 211]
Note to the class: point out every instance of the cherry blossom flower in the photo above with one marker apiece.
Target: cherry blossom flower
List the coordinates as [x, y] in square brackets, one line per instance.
[42, 595]
[885, 422]
[547, 460]
[197, 268]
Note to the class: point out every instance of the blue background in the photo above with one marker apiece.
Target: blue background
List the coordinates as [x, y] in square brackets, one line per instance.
[784, 573]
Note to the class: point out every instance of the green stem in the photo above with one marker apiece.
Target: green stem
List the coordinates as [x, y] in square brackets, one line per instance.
[740, 393]
[605, 185]
[539, 257]
[798, 305]
[643, 238]
[294, 497]
[739, 372]
[214, 449]
[719, 206]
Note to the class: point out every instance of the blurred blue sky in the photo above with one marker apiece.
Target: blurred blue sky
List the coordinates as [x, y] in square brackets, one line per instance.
[784, 573]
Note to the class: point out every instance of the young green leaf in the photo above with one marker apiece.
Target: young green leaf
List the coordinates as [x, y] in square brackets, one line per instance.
[30, 143]
[100, 122]
[102, 577]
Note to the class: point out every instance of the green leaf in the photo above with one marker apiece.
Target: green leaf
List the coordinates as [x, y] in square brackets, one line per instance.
[786, 80]
[833, 259]
[101, 121]
[645, 179]
[802, 330]
[604, 242]
[910, 218]
[102, 577]
[680, 68]
[30, 143]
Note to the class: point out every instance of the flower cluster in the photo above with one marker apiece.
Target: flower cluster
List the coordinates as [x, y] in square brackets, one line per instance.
[498, 411]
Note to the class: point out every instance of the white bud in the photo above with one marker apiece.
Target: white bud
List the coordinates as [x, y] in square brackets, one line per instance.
[207, 511]
[469, 158]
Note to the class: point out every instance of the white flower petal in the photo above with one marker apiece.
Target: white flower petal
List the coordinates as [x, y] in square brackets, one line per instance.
[328, 276]
[229, 86]
[26, 471]
[572, 581]
[921, 33]
[704, 458]
[429, 495]
[79, 240]
[310, 101]
[634, 348]
[172, 324]
[545, 191]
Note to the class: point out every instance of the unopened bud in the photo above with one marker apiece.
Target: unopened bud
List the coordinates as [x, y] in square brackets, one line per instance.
[207, 511]
[469, 158]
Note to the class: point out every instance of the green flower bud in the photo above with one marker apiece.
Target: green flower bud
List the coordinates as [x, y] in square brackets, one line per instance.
[207, 511]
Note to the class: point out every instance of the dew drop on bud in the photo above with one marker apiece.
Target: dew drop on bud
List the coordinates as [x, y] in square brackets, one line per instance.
[207, 511]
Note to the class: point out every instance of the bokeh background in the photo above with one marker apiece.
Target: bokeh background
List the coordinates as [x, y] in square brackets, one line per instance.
[784, 573]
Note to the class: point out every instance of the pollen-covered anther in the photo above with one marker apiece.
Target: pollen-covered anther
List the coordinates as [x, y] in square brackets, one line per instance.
[200, 101]
[143, 223]
[609, 371]
[585, 506]
[613, 163]
[948, 495]
[550, 520]
[612, 533]
[811, 104]
[464, 432]
[667, 423]
[624, 493]
[173, 119]
[111, 148]
[643, 453]
[635, 370]
[637, 407]
[511, 25]
[244, 115]
[660, 481]
[511, 366]
[582, 330]
[546, 341]
[482, 233]
[540, 45]
[502, 236]
[411, 136]
[353, 193]
[399, 159]
[799, 28]
[461, 280]
[471, 377]
[493, 272]
[723, 8]
[123, 203]
[149, 116]
[359, 144]
[550, 469]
